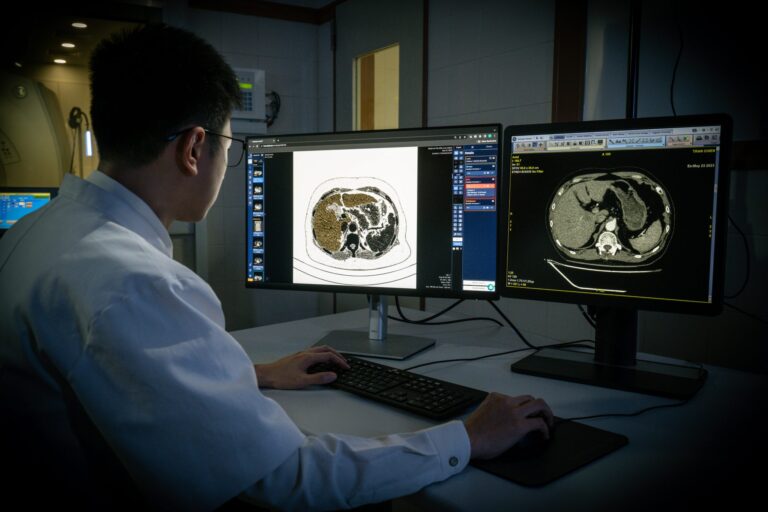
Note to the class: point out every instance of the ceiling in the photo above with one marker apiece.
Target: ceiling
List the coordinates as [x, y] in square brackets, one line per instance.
[33, 34]
[34, 37]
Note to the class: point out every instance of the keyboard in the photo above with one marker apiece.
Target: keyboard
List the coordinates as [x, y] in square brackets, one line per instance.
[425, 396]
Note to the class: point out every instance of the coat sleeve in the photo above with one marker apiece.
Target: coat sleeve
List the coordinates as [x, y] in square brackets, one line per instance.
[336, 472]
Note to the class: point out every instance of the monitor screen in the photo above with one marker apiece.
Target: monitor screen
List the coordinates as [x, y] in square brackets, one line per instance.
[16, 202]
[620, 215]
[625, 213]
[400, 212]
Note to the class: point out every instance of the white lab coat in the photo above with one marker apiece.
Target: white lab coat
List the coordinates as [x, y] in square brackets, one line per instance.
[89, 282]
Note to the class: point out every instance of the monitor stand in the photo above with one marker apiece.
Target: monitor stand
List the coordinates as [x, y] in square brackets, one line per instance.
[614, 363]
[376, 342]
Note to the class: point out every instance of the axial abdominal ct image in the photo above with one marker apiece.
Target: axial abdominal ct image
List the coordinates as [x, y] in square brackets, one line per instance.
[609, 223]
[355, 217]
[355, 223]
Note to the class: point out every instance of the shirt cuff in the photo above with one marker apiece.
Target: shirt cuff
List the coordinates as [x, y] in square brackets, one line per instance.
[452, 444]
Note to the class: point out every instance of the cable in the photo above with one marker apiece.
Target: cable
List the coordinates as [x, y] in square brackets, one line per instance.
[587, 317]
[274, 105]
[464, 359]
[74, 147]
[677, 60]
[426, 321]
[750, 315]
[748, 260]
[509, 322]
[627, 414]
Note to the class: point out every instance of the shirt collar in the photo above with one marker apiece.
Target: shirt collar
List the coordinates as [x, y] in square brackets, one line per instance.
[161, 238]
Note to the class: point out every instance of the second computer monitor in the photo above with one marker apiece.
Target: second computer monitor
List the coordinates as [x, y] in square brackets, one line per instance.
[621, 215]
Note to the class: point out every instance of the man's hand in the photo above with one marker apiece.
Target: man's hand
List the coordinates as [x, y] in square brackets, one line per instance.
[290, 372]
[501, 421]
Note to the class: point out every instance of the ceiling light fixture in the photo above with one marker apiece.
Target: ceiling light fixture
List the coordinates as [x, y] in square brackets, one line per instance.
[59, 61]
[79, 24]
[68, 45]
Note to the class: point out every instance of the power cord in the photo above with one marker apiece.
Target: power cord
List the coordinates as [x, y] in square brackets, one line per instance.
[513, 326]
[274, 106]
[747, 257]
[746, 313]
[677, 60]
[587, 316]
[427, 321]
[75, 121]
[625, 414]
[571, 344]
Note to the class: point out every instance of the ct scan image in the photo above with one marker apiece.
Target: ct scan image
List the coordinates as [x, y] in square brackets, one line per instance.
[609, 221]
[351, 228]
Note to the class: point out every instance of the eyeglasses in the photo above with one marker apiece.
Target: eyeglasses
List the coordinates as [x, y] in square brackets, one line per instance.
[240, 152]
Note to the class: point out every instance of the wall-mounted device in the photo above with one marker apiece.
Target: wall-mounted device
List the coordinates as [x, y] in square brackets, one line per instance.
[251, 119]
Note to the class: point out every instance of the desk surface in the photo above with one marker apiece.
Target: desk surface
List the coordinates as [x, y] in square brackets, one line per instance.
[687, 454]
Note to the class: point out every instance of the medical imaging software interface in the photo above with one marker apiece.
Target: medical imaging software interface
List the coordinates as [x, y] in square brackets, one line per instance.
[15, 205]
[627, 214]
[414, 211]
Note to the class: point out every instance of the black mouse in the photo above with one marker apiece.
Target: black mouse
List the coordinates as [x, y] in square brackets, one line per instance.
[533, 440]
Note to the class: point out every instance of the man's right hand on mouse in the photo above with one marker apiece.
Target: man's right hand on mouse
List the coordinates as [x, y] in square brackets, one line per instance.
[500, 421]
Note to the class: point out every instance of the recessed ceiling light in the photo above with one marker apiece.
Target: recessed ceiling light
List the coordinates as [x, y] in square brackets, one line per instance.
[79, 24]
[59, 61]
[17, 64]
[68, 45]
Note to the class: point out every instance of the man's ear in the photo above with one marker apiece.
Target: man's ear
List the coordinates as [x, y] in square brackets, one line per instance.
[189, 149]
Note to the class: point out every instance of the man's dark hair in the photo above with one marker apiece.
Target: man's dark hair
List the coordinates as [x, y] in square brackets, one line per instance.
[151, 82]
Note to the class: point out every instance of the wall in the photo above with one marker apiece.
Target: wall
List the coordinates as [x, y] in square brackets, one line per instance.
[715, 74]
[290, 54]
[492, 62]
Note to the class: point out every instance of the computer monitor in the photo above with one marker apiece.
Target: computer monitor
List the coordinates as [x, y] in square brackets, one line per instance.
[404, 212]
[16, 202]
[620, 215]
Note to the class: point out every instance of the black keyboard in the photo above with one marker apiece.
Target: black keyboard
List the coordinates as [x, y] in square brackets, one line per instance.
[424, 396]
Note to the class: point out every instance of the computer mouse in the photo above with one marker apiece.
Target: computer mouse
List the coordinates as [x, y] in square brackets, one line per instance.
[535, 439]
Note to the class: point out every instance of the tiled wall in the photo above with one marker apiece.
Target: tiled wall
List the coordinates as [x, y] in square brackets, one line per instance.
[492, 62]
[291, 54]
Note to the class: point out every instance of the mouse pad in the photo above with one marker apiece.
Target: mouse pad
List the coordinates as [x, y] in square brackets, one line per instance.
[571, 446]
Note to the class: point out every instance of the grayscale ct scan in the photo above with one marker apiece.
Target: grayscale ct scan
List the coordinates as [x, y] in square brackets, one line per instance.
[355, 223]
[617, 221]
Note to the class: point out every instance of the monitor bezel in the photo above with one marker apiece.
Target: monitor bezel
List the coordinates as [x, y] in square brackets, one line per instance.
[712, 308]
[431, 293]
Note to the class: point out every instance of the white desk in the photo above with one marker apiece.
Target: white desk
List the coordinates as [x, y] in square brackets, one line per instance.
[687, 454]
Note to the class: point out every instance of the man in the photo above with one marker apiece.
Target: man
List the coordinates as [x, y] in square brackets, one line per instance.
[116, 368]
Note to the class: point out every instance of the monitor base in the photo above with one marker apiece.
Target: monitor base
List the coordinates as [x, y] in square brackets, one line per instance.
[358, 343]
[659, 379]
